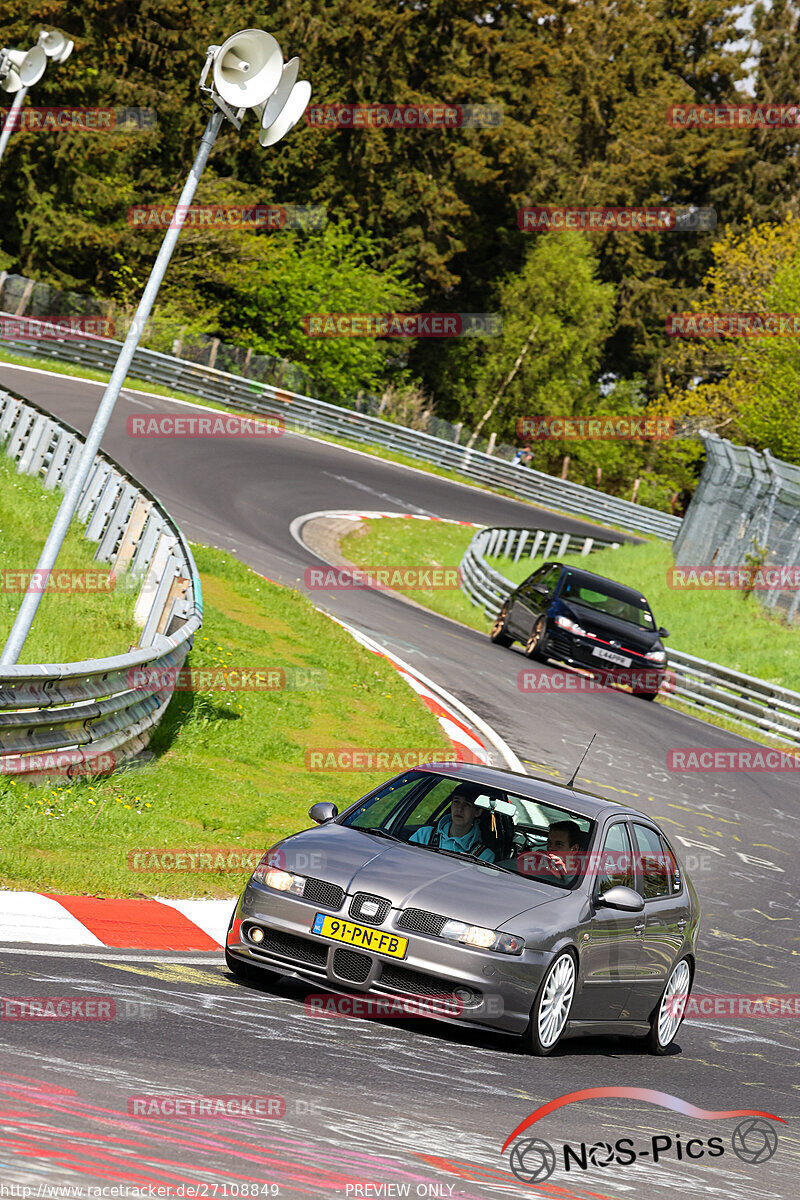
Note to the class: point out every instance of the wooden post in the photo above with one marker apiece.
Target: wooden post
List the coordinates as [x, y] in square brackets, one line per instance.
[598, 477]
[492, 440]
[212, 358]
[636, 483]
[565, 466]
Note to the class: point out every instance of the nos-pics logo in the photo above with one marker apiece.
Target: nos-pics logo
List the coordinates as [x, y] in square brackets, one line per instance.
[532, 1159]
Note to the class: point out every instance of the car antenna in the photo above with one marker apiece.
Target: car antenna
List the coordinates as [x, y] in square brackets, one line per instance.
[580, 764]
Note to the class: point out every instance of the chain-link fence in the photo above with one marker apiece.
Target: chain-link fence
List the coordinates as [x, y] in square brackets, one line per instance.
[745, 513]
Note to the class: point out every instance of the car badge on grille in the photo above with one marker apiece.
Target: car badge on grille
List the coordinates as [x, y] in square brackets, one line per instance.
[369, 908]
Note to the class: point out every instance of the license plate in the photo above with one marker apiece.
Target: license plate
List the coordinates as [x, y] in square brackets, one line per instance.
[376, 940]
[609, 656]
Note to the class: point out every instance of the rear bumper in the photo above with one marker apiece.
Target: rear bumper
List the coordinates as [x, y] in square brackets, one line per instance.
[502, 987]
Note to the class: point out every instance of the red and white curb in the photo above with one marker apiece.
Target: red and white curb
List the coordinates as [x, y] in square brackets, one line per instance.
[138, 924]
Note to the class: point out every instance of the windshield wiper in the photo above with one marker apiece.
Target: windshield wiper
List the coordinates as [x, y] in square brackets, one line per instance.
[462, 854]
[379, 833]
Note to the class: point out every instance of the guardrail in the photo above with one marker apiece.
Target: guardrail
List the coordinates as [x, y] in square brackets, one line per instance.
[704, 685]
[63, 719]
[305, 413]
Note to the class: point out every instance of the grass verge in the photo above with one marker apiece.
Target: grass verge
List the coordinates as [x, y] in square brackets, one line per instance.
[229, 771]
[70, 625]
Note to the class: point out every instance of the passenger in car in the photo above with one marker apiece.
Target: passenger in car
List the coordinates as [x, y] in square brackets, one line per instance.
[563, 847]
[460, 830]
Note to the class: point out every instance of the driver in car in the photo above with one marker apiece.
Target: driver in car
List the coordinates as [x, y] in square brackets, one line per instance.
[560, 858]
[459, 831]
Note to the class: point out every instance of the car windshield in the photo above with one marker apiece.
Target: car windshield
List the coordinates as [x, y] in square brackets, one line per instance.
[621, 603]
[446, 814]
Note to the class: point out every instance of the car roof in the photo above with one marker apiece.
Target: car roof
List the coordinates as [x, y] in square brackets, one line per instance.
[532, 787]
[591, 577]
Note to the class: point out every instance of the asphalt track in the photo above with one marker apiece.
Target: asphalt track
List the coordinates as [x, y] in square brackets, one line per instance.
[412, 1104]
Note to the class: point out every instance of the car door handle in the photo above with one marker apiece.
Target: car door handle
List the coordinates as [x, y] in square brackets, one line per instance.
[637, 929]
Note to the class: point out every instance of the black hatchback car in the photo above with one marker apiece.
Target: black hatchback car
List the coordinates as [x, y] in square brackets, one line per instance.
[589, 622]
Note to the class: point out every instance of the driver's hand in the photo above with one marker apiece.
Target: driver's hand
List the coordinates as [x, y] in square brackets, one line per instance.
[556, 861]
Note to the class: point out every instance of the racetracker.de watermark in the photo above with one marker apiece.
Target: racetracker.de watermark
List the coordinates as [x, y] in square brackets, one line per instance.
[62, 581]
[605, 862]
[707, 758]
[701, 1007]
[741, 576]
[403, 325]
[328, 579]
[58, 763]
[79, 120]
[228, 216]
[733, 116]
[55, 328]
[403, 116]
[57, 1008]
[570, 681]
[206, 1106]
[165, 425]
[383, 758]
[604, 428]
[733, 325]
[222, 858]
[226, 679]
[324, 1005]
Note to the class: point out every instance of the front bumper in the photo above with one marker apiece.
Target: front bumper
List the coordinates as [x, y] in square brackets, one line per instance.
[503, 986]
[641, 675]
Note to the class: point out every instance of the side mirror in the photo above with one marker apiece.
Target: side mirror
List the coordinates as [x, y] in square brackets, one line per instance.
[322, 812]
[540, 589]
[621, 897]
[662, 633]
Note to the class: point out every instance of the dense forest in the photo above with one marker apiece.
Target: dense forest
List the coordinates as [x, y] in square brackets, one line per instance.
[426, 219]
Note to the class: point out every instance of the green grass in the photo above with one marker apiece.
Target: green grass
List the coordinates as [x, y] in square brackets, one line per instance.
[229, 768]
[397, 542]
[724, 627]
[69, 626]
[405, 460]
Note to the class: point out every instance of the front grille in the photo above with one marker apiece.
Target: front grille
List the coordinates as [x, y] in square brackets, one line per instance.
[328, 895]
[362, 898]
[560, 646]
[417, 920]
[416, 983]
[348, 964]
[285, 945]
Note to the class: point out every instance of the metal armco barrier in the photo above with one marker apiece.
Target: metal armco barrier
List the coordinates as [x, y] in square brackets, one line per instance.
[703, 685]
[63, 719]
[301, 413]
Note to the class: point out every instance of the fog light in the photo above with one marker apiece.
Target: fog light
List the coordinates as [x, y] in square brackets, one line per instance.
[256, 935]
[464, 995]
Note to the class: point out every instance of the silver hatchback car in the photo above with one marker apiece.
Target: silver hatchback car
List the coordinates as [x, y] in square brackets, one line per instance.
[507, 901]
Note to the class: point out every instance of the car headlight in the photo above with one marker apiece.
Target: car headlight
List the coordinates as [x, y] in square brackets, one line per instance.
[658, 656]
[483, 939]
[281, 881]
[572, 626]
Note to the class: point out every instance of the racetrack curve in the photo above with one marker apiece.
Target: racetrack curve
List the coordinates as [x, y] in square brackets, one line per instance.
[418, 1102]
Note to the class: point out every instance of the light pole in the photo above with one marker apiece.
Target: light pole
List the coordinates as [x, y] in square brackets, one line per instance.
[20, 70]
[248, 72]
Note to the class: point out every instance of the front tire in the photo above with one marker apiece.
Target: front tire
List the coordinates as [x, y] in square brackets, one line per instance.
[668, 1014]
[534, 647]
[498, 633]
[552, 1005]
